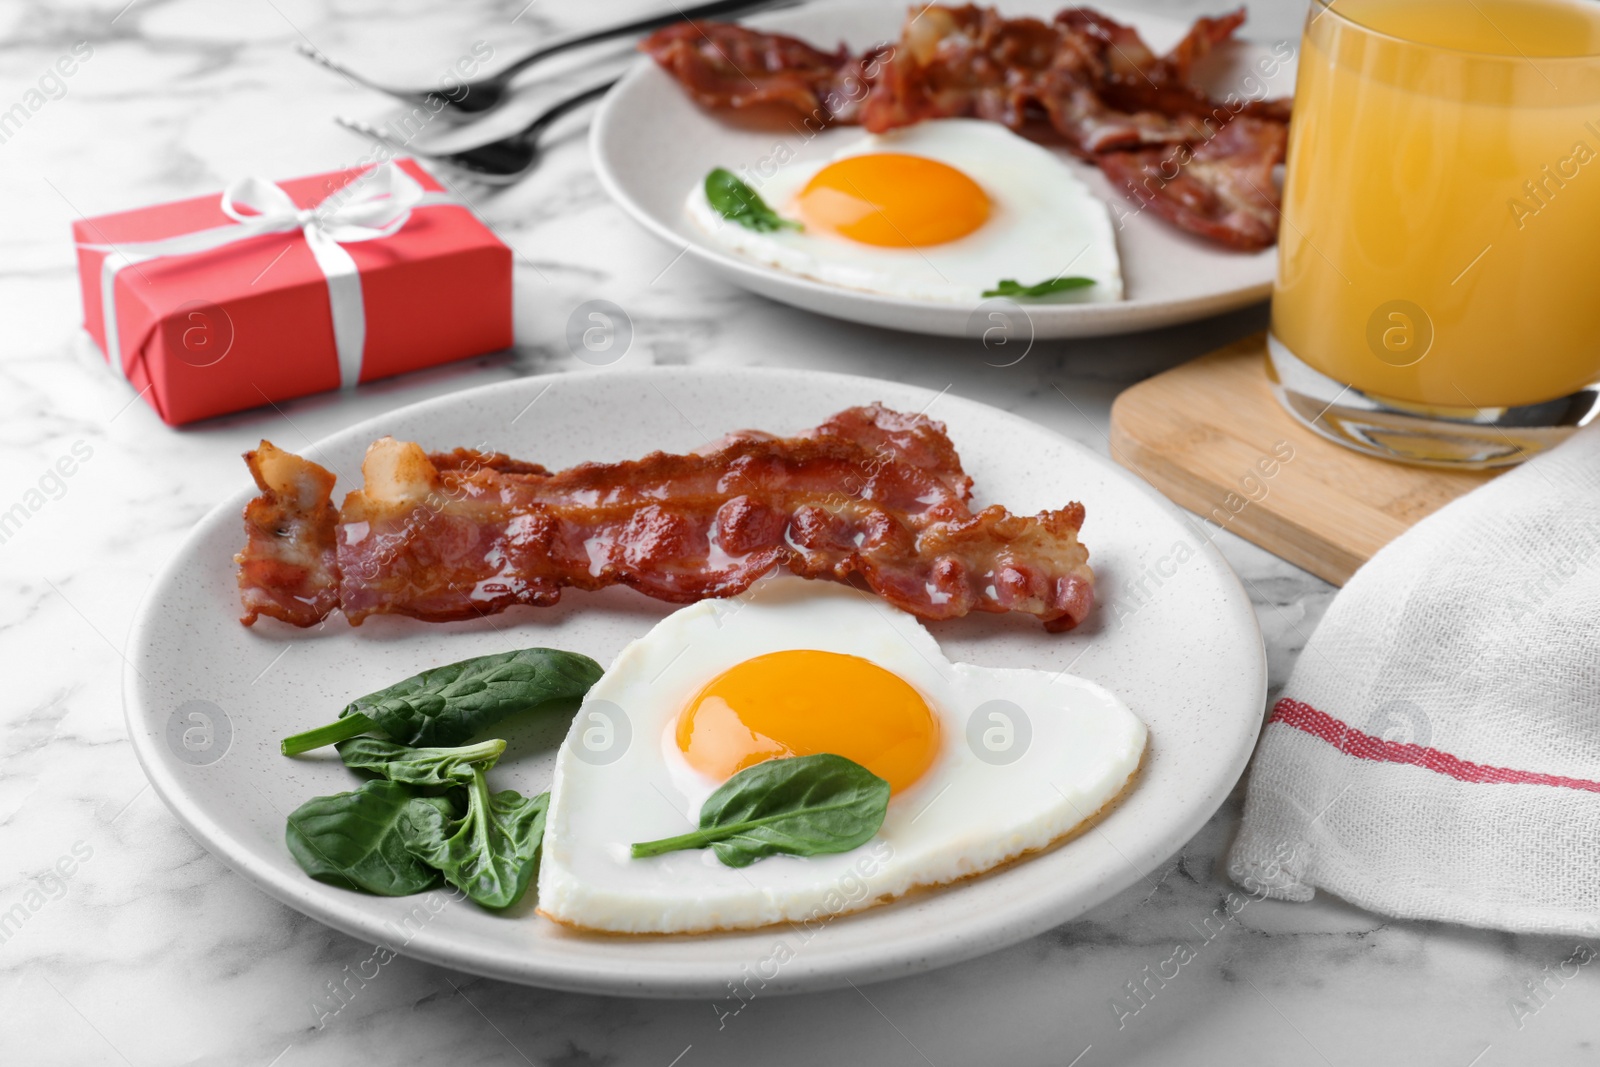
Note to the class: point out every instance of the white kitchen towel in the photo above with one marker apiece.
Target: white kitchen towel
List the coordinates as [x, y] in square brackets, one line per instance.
[1436, 753]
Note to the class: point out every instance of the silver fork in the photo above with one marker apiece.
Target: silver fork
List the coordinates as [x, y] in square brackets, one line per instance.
[476, 97]
[499, 162]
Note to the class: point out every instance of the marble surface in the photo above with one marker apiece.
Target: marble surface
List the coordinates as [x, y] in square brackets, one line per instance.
[138, 947]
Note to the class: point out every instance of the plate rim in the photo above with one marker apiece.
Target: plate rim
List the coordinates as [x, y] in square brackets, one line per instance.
[1068, 320]
[861, 963]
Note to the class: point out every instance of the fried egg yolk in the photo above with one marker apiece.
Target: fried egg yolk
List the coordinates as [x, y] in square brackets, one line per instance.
[893, 200]
[801, 702]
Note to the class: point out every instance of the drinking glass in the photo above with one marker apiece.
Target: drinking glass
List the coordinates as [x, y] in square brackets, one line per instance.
[1438, 289]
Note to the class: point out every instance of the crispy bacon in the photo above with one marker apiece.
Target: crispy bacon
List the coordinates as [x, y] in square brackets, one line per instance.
[1129, 78]
[964, 62]
[724, 65]
[289, 567]
[1222, 189]
[871, 494]
[1124, 56]
[1093, 79]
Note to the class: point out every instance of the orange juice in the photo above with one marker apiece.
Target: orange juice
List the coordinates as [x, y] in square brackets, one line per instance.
[1441, 236]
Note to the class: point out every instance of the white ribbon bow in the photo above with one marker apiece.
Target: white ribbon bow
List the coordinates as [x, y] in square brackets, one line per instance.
[376, 204]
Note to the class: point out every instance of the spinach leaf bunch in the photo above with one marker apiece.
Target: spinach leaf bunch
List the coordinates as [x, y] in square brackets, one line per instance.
[427, 818]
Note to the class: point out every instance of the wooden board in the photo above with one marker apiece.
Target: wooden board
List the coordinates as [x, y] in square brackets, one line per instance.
[1211, 435]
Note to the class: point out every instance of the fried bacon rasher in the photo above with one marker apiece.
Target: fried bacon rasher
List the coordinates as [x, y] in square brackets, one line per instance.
[726, 65]
[1093, 80]
[871, 494]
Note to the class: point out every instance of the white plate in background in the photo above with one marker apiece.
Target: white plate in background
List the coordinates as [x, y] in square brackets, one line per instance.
[651, 144]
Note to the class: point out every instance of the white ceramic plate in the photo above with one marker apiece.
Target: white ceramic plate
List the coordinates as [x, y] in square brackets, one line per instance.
[651, 144]
[1174, 635]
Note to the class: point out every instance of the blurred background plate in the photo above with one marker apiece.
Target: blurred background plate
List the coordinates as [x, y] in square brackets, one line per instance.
[652, 144]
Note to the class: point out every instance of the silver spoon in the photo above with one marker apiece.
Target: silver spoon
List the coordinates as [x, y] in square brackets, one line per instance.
[476, 97]
[499, 162]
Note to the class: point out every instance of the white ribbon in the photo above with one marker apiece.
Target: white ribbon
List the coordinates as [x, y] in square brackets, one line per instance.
[376, 204]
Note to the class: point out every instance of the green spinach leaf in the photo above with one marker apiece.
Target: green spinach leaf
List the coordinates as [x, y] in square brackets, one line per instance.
[356, 840]
[492, 852]
[427, 767]
[737, 202]
[448, 705]
[800, 806]
[1017, 291]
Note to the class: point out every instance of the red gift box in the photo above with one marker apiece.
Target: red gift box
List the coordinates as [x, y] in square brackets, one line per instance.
[218, 307]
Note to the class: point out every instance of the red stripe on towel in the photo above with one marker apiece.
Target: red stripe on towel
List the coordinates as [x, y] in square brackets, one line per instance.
[1353, 742]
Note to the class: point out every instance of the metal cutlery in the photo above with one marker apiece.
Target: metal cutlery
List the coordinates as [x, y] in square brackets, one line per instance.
[476, 97]
[499, 162]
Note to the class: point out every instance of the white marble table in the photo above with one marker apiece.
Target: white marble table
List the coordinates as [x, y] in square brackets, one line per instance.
[133, 945]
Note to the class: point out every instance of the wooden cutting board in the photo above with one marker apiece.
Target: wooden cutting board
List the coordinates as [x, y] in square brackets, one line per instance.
[1212, 437]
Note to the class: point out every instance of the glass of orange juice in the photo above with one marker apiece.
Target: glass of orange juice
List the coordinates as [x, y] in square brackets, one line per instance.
[1438, 289]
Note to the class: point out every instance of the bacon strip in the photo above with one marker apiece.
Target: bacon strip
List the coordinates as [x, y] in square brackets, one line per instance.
[725, 65]
[289, 567]
[965, 62]
[1096, 82]
[871, 494]
[1222, 189]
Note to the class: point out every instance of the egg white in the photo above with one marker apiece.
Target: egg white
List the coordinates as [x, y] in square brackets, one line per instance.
[1043, 223]
[620, 782]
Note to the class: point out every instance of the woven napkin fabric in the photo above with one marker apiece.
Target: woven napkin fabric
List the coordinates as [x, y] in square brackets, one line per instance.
[1436, 753]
